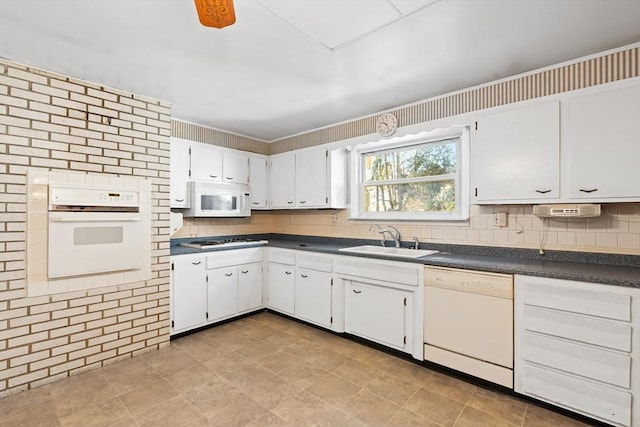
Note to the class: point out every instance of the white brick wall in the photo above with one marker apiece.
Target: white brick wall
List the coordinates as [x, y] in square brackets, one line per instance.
[50, 122]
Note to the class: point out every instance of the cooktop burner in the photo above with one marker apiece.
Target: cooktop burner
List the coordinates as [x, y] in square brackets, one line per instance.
[211, 243]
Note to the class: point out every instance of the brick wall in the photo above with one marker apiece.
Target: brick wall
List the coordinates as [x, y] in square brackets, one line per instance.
[51, 122]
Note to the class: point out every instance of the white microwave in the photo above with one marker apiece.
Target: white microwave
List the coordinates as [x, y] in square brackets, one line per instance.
[218, 199]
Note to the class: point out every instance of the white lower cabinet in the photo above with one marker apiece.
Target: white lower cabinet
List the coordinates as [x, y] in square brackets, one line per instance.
[314, 288]
[213, 286]
[188, 292]
[377, 313]
[383, 301]
[281, 280]
[575, 347]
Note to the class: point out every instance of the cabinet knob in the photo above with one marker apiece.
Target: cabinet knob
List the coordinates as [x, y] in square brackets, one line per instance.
[543, 191]
[590, 190]
[228, 274]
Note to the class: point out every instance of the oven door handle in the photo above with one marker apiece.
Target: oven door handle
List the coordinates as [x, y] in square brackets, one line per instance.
[91, 217]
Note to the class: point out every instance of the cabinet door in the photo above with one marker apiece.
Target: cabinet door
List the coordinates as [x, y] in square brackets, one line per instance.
[282, 178]
[376, 313]
[259, 182]
[311, 178]
[206, 162]
[249, 286]
[179, 172]
[602, 145]
[281, 289]
[189, 293]
[313, 296]
[235, 167]
[222, 298]
[515, 154]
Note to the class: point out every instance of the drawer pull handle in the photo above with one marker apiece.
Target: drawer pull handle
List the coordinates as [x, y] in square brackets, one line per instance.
[543, 191]
[590, 190]
[304, 276]
[228, 178]
[213, 176]
[196, 263]
[356, 292]
[178, 200]
[303, 202]
[290, 203]
[287, 272]
[244, 272]
[228, 274]
[256, 203]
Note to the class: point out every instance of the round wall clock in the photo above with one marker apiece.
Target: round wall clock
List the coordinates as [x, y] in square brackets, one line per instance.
[386, 124]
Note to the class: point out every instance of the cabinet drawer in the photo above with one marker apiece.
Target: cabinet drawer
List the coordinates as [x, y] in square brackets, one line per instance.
[580, 394]
[543, 292]
[592, 330]
[587, 361]
[313, 262]
[281, 257]
[233, 257]
[493, 284]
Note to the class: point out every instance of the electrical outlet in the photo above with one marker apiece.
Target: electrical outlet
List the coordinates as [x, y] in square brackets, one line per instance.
[500, 219]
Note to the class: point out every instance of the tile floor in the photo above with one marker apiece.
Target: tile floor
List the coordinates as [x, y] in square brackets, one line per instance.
[266, 370]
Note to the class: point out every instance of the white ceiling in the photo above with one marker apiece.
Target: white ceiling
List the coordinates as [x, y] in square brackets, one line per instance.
[289, 66]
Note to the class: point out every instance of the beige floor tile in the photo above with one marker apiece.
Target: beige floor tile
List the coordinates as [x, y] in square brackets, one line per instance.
[279, 361]
[498, 405]
[369, 408]
[269, 420]
[210, 396]
[256, 350]
[472, 417]
[148, 396]
[302, 374]
[279, 339]
[168, 360]
[309, 410]
[17, 403]
[249, 376]
[434, 407]
[271, 392]
[97, 413]
[176, 411]
[333, 389]
[356, 372]
[239, 412]
[191, 376]
[41, 414]
[406, 418]
[224, 363]
[450, 387]
[537, 416]
[77, 391]
[391, 386]
[129, 374]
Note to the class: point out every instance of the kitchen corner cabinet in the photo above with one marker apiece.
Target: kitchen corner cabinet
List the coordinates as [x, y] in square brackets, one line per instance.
[259, 181]
[188, 292]
[515, 154]
[314, 178]
[179, 172]
[575, 347]
[602, 144]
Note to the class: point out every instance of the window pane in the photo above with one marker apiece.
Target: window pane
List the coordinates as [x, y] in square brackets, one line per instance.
[434, 196]
[413, 162]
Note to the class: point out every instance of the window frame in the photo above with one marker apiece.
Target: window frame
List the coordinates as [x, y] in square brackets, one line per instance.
[461, 178]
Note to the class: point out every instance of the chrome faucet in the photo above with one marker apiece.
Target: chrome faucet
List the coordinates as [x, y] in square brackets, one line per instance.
[395, 234]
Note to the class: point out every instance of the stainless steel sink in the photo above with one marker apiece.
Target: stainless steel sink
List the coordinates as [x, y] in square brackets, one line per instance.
[389, 251]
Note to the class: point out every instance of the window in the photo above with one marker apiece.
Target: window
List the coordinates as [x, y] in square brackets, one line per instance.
[417, 178]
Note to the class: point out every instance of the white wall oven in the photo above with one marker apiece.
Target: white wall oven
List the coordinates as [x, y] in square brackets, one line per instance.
[93, 231]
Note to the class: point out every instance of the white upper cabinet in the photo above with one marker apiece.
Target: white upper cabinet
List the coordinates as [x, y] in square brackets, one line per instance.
[179, 171]
[603, 144]
[235, 167]
[282, 186]
[515, 154]
[259, 181]
[577, 146]
[206, 162]
[314, 178]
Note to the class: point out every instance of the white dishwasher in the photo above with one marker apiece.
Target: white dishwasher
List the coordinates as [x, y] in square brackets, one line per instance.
[468, 322]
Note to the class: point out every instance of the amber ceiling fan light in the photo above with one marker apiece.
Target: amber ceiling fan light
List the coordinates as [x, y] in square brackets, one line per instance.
[216, 13]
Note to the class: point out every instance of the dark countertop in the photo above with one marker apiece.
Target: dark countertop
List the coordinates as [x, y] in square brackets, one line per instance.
[622, 270]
